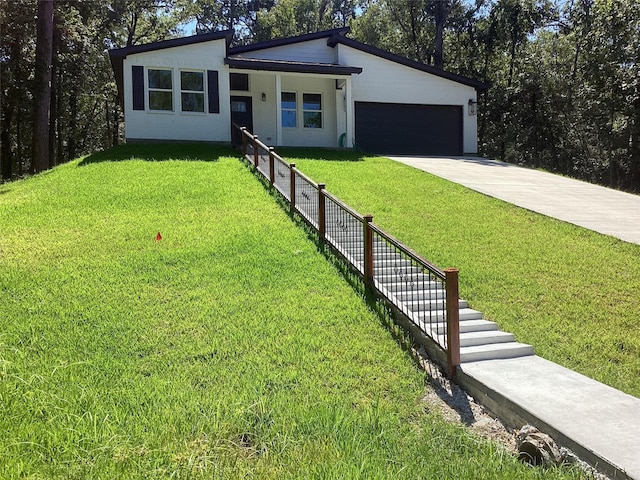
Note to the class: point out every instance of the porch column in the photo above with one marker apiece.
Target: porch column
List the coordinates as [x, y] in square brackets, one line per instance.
[278, 109]
[350, 121]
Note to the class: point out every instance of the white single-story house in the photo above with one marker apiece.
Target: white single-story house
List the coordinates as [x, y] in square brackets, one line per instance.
[321, 89]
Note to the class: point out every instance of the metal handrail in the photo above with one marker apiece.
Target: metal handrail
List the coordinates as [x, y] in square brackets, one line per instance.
[424, 293]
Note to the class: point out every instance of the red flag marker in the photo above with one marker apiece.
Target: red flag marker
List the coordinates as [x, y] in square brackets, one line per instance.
[158, 237]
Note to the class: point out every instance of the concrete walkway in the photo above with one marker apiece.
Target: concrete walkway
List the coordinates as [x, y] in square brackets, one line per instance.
[594, 207]
[599, 423]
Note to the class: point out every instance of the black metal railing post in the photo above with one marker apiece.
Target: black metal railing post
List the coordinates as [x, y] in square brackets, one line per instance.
[256, 151]
[272, 167]
[368, 251]
[453, 321]
[292, 186]
[243, 131]
[322, 225]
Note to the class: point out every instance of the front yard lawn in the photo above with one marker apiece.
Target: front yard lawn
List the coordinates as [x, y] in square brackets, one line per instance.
[230, 348]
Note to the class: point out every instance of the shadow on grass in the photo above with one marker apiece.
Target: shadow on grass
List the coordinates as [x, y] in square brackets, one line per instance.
[159, 152]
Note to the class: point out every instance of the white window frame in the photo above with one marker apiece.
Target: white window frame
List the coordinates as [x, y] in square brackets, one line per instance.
[155, 89]
[202, 92]
[306, 110]
[295, 110]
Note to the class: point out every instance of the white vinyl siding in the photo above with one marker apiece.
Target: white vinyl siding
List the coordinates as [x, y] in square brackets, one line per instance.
[315, 51]
[150, 124]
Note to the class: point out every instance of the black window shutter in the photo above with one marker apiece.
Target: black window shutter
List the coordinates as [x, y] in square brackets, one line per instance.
[137, 82]
[213, 90]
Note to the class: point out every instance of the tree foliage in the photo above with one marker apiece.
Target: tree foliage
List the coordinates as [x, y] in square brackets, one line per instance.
[564, 75]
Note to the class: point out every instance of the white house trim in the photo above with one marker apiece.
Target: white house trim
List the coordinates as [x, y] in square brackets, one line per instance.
[278, 109]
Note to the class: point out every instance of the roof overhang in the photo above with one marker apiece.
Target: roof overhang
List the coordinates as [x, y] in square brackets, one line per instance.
[279, 42]
[341, 39]
[290, 67]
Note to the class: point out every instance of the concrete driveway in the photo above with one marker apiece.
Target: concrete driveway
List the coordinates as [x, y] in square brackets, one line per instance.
[597, 208]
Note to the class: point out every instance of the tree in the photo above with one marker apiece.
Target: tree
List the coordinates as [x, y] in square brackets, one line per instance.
[16, 61]
[286, 18]
[439, 9]
[237, 15]
[611, 75]
[42, 86]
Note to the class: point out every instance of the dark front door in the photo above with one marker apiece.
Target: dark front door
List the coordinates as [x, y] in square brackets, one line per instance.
[241, 115]
[242, 112]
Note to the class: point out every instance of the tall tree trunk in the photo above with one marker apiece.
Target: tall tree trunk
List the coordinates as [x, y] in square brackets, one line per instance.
[42, 87]
[116, 124]
[59, 121]
[84, 133]
[7, 109]
[53, 115]
[53, 103]
[414, 34]
[635, 143]
[6, 159]
[18, 159]
[73, 125]
[440, 17]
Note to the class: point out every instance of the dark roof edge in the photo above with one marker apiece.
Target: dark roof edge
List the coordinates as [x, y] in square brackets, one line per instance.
[279, 42]
[292, 67]
[335, 39]
[173, 42]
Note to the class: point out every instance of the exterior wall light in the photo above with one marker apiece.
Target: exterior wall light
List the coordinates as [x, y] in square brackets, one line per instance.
[264, 97]
[473, 105]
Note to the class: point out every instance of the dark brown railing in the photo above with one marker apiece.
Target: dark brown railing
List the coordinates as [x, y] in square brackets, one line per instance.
[423, 293]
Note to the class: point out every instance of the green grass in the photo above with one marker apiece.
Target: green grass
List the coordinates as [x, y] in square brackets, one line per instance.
[570, 292]
[229, 349]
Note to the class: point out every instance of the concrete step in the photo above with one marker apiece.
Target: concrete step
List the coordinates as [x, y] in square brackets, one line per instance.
[396, 268]
[383, 264]
[391, 277]
[408, 295]
[356, 247]
[430, 305]
[354, 250]
[477, 325]
[390, 284]
[391, 261]
[348, 239]
[438, 315]
[486, 337]
[494, 351]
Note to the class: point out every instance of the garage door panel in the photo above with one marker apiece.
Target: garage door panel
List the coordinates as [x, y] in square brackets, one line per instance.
[409, 129]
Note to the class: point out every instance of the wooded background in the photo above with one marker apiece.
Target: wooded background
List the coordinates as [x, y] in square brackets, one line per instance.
[564, 75]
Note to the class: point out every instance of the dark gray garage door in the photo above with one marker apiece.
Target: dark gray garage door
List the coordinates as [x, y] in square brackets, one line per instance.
[409, 129]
